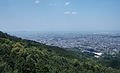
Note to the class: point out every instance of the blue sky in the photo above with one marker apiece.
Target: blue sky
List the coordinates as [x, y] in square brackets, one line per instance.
[60, 15]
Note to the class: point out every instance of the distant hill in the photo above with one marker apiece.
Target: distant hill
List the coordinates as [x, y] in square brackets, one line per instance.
[25, 56]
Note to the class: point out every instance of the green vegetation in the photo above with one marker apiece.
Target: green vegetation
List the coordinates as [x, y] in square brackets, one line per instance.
[24, 56]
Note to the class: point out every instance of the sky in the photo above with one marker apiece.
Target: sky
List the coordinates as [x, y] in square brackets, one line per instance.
[60, 15]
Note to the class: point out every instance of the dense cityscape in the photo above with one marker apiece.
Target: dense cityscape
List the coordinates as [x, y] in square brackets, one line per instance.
[102, 43]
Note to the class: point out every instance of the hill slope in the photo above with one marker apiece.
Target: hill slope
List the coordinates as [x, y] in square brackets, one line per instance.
[24, 56]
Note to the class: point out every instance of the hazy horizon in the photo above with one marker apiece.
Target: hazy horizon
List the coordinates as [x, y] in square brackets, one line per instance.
[60, 15]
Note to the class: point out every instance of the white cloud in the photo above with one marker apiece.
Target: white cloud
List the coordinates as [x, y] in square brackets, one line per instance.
[70, 12]
[67, 12]
[73, 12]
[37, 1]
[67, 3]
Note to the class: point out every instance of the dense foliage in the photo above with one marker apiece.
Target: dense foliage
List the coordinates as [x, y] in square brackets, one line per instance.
[24, 56]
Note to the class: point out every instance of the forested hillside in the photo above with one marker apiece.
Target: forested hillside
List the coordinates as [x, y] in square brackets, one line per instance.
[24, 56]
